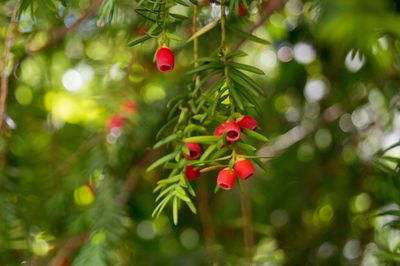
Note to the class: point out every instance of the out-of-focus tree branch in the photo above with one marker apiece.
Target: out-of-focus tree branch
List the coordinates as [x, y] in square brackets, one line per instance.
[5, 62]
[299, 132]
[131, 182]
[58, 34]
[267, 10]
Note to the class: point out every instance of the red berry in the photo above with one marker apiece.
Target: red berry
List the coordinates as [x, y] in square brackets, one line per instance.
[247, 122]
[191, 173]
[142, 30]
[219, 131]
[165, 59]
[226, 179]
[130, 107]
[115, 121]
[242, 10]
[194, 151]
[232, 131]
[244, 168]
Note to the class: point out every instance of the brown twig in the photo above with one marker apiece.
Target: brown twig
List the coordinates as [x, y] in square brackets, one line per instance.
[5, 62]
[58, 34]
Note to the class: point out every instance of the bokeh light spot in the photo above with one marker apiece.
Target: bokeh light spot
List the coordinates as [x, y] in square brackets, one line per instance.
[83, 196]
[153, 92]
[315, 89]
[23, 95]
[72, 80]
[189, 238]
[304, 53]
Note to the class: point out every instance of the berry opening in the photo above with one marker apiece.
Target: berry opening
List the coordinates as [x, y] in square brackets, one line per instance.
[232, 134]
[193, 154]
[224, 186]
[165, 68]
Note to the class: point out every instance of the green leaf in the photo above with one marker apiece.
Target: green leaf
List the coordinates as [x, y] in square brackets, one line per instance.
[173, 36]
[166, 191]
[236, 97]
[246, 35]
[248, 80]
[245, 146]
[166, 140]
[204, 67]
[247, 68]
[203, 30]
[191, 206]
[178, 16]
[261, 165]
[254, 134]
[160, 207]
[217, 101]
[166, 126]
[217, 85]
[208, 151]
[254, 156]
[182, 2]
[193, 127]
[175, 210]
[237, 53]
[139, 40]
[168, 180]
[161, 161]
[243, 84]
[389, 212]
[203, 139]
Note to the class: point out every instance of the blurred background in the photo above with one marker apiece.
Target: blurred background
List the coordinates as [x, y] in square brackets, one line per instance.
[83, 110]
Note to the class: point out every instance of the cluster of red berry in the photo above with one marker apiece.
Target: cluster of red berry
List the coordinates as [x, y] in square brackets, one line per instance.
[242, 167]
[117, 121]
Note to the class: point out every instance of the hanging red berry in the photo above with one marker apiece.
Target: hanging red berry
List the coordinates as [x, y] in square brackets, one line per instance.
[191, 173]
[232, 131]
[219, 131]
[247, 122]
[226, 179]
[244, 168]
[165, 59]
[194, 151]
[115, 121]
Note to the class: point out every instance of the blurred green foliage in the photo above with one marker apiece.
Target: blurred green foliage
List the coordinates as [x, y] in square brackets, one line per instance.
[332, 113]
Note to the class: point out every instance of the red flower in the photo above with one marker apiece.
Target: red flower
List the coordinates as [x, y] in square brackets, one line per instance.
[226, 179]
[247, 122]
[191, 173]
[165, 59]
[115, 121]
[194, 151]
[244, 168]
[232, 131]
[130, 107]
